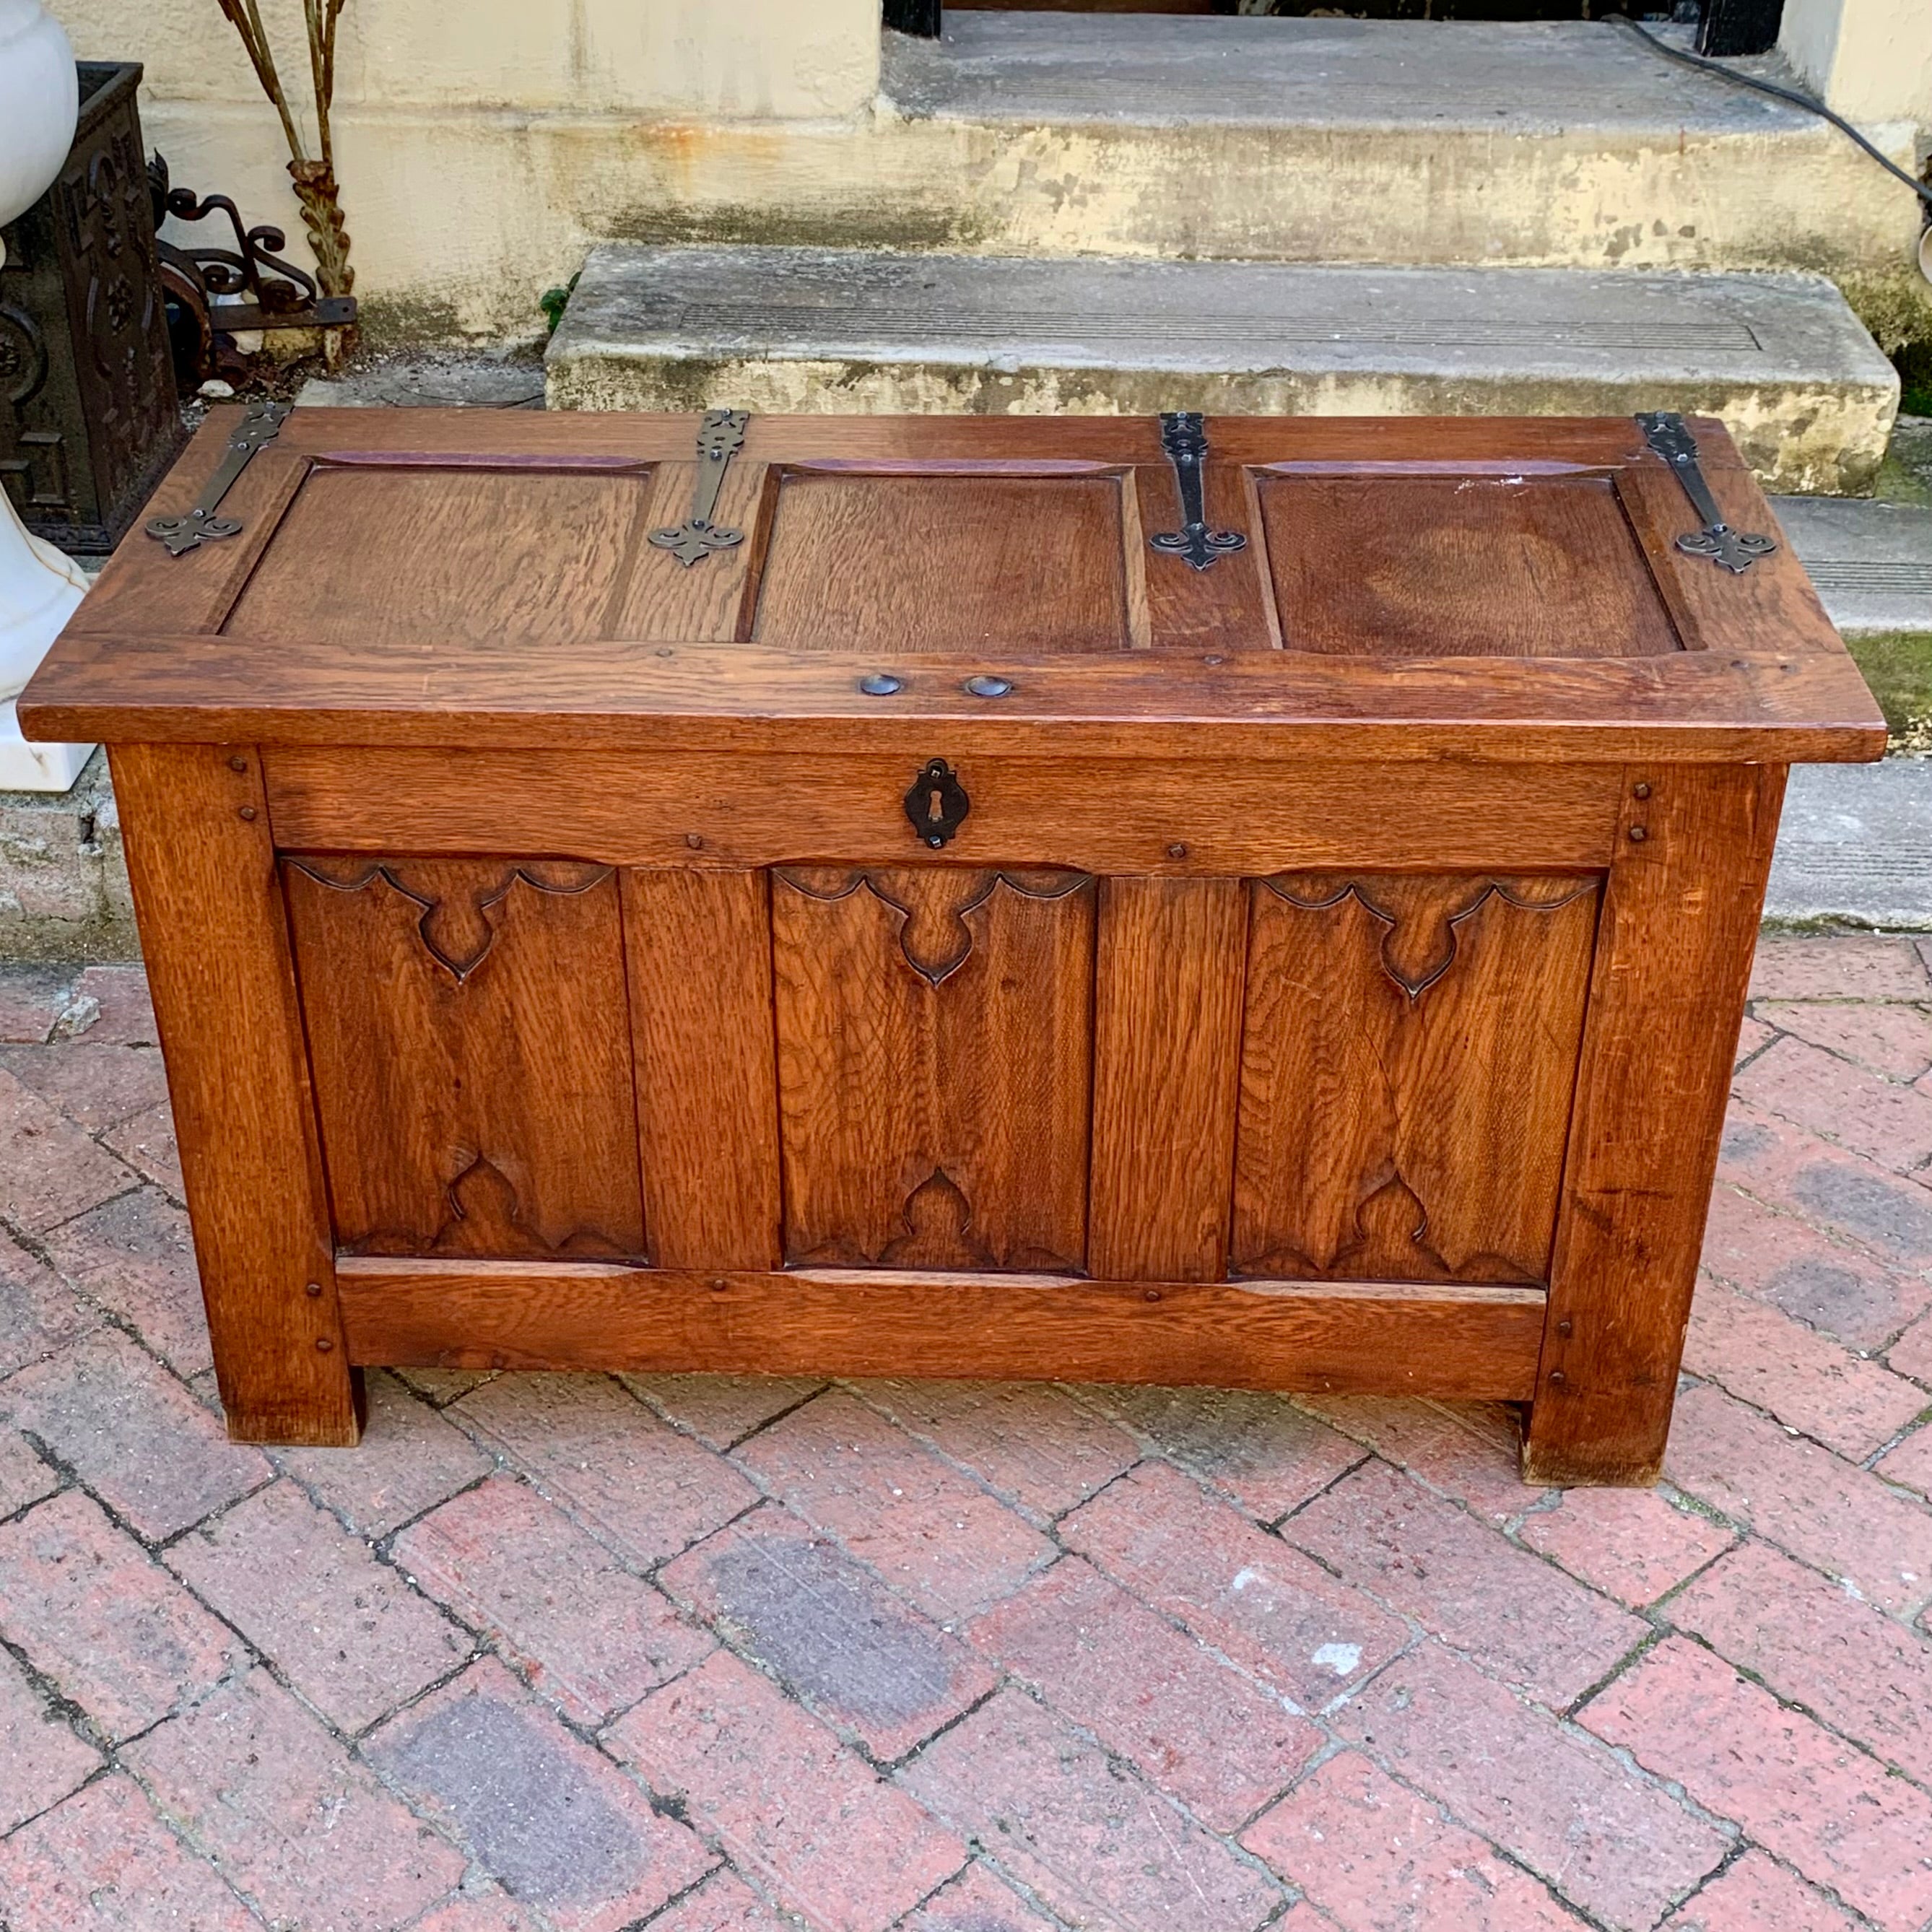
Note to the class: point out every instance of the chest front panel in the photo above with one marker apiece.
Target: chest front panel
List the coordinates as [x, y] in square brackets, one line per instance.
[1316, 1076]
[465, 1023]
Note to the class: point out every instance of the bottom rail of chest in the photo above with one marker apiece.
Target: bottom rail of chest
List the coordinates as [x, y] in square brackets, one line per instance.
[1476, 1341]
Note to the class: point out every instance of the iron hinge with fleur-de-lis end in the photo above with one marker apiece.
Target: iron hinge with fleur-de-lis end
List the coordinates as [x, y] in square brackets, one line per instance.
[1669, 436]
[193, 528]
[1183, 435]
[720, 435]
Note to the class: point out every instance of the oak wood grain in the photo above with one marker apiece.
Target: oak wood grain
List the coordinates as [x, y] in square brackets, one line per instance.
[1277, 912]
[657, 598]
[197, 595]
[962, 587]
[697, 947]
[1757, 704]
[1407, 1060]
[1167, 1028]
[699, 809]
[1478, 1343]
[201, 859]
[1678, 925]
[529, 558]
[1030, 564]
[1222, 609]
[1588, 441]
[1479, 566]
[468, 1029]
[1773, 598]
[935, 1045]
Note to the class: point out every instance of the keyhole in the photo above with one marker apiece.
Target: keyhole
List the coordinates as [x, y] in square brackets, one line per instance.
[934, 803]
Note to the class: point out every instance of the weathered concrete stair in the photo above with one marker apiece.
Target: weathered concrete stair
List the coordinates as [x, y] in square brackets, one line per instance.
[1780, 358]
[1560, 145]
[1273, 140]
[1870, 562]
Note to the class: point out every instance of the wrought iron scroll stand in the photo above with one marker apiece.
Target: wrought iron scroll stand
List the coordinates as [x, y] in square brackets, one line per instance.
[248, 286]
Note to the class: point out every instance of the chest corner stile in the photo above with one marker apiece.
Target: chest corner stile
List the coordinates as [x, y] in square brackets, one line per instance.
[1264, 904]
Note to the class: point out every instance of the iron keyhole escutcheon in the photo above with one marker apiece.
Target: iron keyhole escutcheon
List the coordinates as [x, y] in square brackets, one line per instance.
[936, 805]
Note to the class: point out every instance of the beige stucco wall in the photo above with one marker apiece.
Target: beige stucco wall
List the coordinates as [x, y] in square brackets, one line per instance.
[483, 147]
[749, 59]
[1870, 59]
[452, 213]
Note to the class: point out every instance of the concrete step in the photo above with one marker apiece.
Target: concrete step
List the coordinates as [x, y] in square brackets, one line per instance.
[1555, 144]
[1871, 562]
[1855, 845]
[1780, 358]
[64, 892]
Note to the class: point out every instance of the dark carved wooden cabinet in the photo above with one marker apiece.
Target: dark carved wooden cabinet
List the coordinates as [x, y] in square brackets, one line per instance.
[1265, 903]
[89, 416]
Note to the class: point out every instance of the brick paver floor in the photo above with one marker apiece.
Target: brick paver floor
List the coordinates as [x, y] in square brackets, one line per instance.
[554, 1655]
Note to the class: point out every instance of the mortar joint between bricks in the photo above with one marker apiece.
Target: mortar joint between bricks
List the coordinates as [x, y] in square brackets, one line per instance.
[109, 1767]
[1002, 1681]
[1323, 1715]
[1657, 1612]
[1653, 1635]
[1797, 1434]
[1911, 1429]
[1570, 1726]
[1502, 1853]
[919, 1905]
[183, 1833]
[175, 1537]
[737, 1441]
[966, 1471]
[72, 1481]
[382, 1547]
[59, 1705]
[1803, 1709]
[1369, 1454]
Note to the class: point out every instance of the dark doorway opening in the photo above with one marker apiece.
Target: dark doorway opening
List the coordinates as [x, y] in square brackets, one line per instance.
[1728, 26]
[1349, 9]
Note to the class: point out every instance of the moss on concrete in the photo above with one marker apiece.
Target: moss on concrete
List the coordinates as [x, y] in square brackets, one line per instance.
[1897, 309]
[393, 322]
[1898, 665]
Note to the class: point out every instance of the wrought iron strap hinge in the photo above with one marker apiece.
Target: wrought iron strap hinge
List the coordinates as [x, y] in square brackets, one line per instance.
[720, 437]
[261, 425]
[1183, 435]
[1664, 431]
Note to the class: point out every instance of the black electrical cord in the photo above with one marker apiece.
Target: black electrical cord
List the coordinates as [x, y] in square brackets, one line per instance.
[1790, 93]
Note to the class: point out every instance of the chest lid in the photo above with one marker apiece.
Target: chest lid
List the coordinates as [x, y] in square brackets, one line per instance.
[1272, 586]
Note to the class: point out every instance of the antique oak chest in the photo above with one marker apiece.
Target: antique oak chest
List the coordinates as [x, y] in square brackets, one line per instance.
[1261, 902]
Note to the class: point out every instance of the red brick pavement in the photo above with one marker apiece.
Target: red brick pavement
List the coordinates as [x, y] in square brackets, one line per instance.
[691, 1654]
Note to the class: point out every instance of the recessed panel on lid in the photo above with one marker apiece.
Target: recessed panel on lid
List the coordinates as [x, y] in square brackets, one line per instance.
[946, 562]
[1461, 566]
[381, 556]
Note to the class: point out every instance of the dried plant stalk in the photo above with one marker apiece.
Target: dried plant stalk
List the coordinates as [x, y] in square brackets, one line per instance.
[315, 180]
[313, 175]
